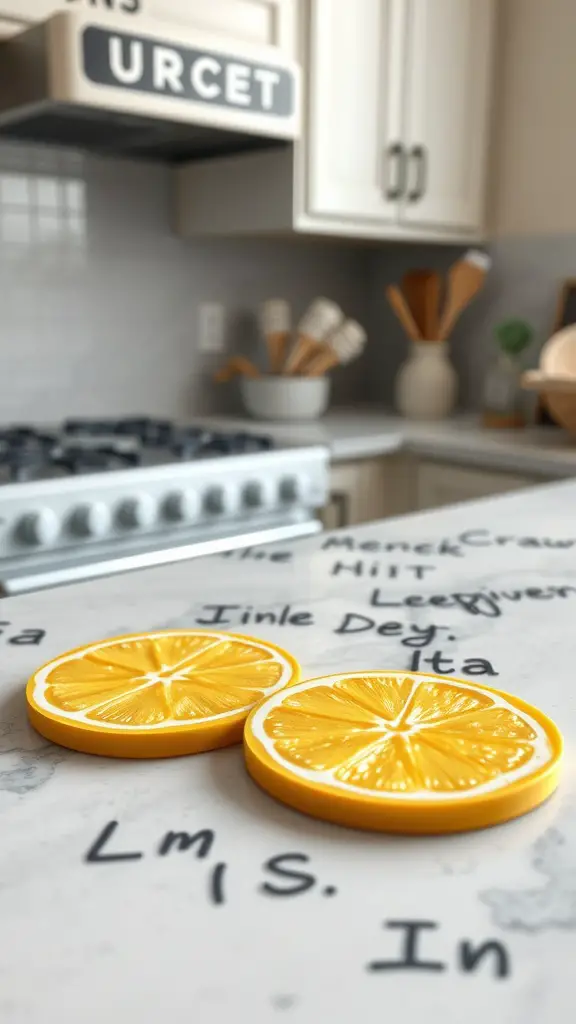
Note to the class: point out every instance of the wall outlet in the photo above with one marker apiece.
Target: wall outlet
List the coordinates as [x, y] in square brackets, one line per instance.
[211, 327]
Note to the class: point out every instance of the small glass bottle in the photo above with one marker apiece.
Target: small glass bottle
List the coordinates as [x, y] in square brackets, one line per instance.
[503, 398]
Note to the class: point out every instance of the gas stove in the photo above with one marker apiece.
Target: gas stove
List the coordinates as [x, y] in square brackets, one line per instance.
[90, 446]
[92, 497]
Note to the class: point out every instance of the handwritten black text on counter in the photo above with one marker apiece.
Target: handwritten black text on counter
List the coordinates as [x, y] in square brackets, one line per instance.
[488, 603]
[455, 547]
[20, 637]
[285, 876]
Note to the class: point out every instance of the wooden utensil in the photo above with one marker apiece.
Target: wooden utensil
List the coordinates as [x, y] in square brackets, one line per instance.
[237, 366]
[344, 345]
[465, 279]
[275, 325]
[558, 395]
[533, 380]
[402, 310]
[558, 355]
[421, 289]
[319, 320]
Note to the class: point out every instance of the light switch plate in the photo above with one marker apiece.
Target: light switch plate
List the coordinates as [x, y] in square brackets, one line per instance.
[211, 327]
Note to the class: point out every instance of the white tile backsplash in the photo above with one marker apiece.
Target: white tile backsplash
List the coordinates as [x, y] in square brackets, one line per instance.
[14, 190]
[99, 300]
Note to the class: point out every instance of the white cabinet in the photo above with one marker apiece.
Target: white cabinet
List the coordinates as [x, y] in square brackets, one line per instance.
[37, 10]
[369, 489]
[399, 105]
[439, 484]
[395, 141]
[354, 109]
[356, 494]
[447, 91]
[263, 22]
[364, 490]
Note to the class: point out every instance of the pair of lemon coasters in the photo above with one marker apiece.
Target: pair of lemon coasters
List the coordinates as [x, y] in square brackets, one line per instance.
[385, 751]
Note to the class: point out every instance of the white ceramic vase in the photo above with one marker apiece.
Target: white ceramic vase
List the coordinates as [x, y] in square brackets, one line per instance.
[427, 383]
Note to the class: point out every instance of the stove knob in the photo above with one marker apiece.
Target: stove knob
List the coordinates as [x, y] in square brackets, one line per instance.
[39, 528]
[180, 506]
[91, 520]
[136, 513]
[221, 500]
[215, 501]
[253, 495]
[291, 490]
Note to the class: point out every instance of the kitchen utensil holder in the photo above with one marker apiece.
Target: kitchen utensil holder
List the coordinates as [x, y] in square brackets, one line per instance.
[426, 384]
[285, 398]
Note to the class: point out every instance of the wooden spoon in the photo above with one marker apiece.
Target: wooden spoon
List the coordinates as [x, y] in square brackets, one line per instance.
[321, 318]
[422, 291]
[275, 326]
[465, 279]
[237, 366]
[344, 345]
[402, 310]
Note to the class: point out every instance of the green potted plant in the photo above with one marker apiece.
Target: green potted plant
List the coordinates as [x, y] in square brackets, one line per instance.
[503, 396]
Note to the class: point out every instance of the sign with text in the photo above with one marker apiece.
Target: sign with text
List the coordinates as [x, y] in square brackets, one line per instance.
[156, 67]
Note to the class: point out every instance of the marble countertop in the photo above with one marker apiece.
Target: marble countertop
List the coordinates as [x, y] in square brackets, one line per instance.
[352, 434]
[134, 934]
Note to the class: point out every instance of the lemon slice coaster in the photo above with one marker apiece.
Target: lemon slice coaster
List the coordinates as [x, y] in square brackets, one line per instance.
[399, 752]
[156, 694]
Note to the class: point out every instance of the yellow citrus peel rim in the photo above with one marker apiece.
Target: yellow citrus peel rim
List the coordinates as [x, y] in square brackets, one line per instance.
[420, 813]
[166, 739]
[76, 653]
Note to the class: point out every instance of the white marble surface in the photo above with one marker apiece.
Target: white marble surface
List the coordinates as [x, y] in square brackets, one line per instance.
[352, 434]
[140, 940]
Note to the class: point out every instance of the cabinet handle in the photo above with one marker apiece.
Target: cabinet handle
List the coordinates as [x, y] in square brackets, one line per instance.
[419, 155]
[341, 502]
[395, 157]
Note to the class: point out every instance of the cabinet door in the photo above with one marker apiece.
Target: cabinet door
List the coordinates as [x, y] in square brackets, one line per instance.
[266, 22]
[439, 484]
[346, 501]
[449, 72]
[355, 82]
[369, 489]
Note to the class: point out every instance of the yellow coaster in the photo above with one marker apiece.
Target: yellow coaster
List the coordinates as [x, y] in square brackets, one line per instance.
[156, 694]
[399, 752]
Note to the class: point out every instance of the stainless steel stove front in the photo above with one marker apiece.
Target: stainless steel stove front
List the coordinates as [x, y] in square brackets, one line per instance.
[77, 528]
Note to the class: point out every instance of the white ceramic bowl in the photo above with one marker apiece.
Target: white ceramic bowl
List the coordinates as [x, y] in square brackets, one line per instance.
[285, 398]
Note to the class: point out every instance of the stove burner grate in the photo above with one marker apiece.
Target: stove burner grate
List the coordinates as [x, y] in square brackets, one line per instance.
[149, 432]
[90, 445]
[76, 459]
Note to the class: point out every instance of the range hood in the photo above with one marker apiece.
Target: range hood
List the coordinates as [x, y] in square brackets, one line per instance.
[161, 92]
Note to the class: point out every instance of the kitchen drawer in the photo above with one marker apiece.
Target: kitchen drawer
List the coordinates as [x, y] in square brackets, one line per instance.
[369, 489]
[439, 484]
